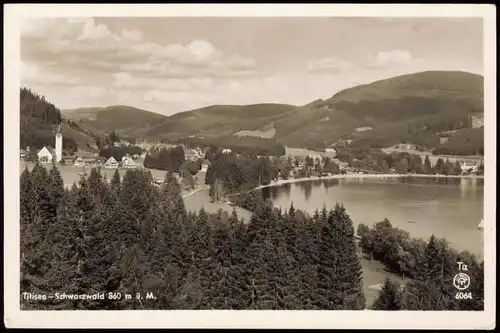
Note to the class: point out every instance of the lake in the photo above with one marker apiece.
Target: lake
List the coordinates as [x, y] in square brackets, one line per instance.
[446, 207]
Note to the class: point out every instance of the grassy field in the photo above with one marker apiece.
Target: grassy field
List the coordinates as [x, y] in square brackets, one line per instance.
[375, 273]
[199, 199]
[301, 152]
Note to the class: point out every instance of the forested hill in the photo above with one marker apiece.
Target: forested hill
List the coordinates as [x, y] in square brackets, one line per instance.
[414, 108]
[440, 110]
[124, 120]
[39, 120]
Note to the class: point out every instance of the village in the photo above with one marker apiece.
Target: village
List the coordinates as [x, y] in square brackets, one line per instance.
[302, 163]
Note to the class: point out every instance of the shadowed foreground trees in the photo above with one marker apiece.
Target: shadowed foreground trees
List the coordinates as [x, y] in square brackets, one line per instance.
[431, 267]
[131, 237]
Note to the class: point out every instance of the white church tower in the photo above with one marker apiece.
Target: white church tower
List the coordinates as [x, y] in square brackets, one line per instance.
[59, 144]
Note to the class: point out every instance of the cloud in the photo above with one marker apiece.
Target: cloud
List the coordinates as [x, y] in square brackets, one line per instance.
[329, 65]
[85, 44]
[383, 59]
[88, 91]
[132, 35]
[85, 62]
[31, 74]
[389, 59]
[165, 97]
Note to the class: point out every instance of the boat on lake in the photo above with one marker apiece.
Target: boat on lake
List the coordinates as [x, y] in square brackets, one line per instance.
[481, 225]
[409, 221]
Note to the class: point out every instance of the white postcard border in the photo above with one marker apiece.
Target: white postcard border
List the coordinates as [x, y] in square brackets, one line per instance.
[14, 317]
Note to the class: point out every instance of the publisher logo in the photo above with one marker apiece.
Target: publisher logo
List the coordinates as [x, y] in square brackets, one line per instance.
[461, 281]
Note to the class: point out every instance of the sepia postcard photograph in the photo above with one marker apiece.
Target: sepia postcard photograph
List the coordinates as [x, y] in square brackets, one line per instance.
[250, 166]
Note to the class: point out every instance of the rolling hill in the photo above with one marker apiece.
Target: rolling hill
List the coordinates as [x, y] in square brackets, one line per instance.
[388, 107]
[125, 120]
[222, 120]
[412, 108]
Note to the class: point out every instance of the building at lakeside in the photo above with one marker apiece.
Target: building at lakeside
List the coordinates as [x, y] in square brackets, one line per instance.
[226, 151]
[468, 166]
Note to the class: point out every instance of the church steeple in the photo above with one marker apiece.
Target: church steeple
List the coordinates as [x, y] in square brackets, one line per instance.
[59, 144]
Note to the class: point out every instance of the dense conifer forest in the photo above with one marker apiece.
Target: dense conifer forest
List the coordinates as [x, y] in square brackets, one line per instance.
[38, 121]
[127, 236]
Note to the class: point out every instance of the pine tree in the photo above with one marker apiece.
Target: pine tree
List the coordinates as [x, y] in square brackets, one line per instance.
[35, 243]
[433, 262]
[55, 186]
[258, 240]
[309, 249]
[389, 297]
[239, 271]
[349, 272]
[172, 198]
[27, 202]
[27, 211]
[221, 291]
[67, 252]
[327, 296]
[292, 258]
[116, 181]
[97, 185]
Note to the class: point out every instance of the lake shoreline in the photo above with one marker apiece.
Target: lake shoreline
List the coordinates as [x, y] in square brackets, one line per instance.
[362, 176]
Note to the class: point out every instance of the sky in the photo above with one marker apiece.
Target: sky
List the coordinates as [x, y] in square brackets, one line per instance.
[174, 64]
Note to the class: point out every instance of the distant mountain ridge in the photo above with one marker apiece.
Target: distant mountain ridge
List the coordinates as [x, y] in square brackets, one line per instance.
[120, 118]
[411, 107]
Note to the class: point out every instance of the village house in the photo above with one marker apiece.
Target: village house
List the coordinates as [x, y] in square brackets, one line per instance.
[99, 160]
[226, 151]
[205, 165]
[315, 157]
[23, 153]
[158, 182]
[46, 155]
[331, 150]
[78, 161]
[128, 161]
[111, 163]
[468, 167]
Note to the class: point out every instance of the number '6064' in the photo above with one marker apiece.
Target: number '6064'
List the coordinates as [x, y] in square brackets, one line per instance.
[461, 295]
